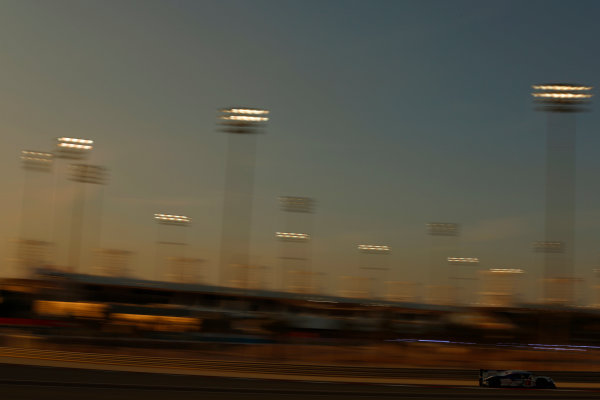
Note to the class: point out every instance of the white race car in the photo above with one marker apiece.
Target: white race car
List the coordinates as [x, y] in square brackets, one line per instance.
[514, 378]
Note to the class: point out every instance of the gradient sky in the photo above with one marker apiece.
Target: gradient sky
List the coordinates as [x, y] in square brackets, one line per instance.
[391, 114]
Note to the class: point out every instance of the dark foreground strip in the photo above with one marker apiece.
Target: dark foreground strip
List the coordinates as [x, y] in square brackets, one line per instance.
[413, 391]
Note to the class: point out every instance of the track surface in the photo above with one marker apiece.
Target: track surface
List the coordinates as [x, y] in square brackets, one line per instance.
[267, 370]
[32, 382]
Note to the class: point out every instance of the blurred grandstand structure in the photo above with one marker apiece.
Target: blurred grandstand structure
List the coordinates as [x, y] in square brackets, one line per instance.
[62, 305]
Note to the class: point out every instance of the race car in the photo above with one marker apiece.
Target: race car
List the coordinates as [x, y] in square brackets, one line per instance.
[514, 378]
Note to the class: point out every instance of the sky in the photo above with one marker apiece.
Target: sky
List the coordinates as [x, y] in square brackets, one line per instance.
[390, 114]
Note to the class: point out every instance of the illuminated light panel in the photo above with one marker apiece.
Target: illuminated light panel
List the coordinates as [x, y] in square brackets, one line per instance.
[561, 87]
[296, 204]
[291, 235]
[507, 270]
[87, 173]
[172, 218]
[75, 140]
[42, 157]
[548, 246]
[253, 111]
[555, 95]
[442, 228]
[466, 260]
[373, 247]
[244, 118]
[75, 146]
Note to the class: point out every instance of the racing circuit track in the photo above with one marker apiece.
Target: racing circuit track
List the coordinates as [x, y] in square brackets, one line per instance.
[36, 382]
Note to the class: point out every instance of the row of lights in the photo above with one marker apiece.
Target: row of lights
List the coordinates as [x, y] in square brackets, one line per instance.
[296, 204]
[292, 236]
[254, 111]
[463, 260]
[172, 219]
[244, 118]
[562, 97]
[36, 156]
[75, 143]
[373, 248]
[507, 270]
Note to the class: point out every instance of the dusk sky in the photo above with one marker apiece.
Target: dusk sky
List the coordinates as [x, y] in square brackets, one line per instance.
[390, 114]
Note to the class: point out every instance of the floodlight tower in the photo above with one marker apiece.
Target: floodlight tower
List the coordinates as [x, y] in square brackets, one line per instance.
[295, 246]
[242, 124]
[500, 286]
[374, 263]
[561, 101]
[32, 245]
[444, 237]
[83, 174]
[457, 262]
[293, 253]
[69, 149]
[170, 244]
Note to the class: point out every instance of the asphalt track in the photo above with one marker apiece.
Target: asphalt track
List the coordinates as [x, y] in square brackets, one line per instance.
[270, 370]
[35, 382]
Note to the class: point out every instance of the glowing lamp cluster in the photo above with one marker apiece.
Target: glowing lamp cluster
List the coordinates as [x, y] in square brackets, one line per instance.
[290, 236]
[373, 248]
[37, 160]
[296, 204]
[463, 260]
[171, 219]
[562, 96]
[506, 270]
[548, 247]
[86, 173]
[442, 229]
[74, 143]
[73, 148]
[246, 118]
[243, 119]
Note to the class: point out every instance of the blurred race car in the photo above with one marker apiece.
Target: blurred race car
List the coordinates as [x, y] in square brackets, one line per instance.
[514, 378]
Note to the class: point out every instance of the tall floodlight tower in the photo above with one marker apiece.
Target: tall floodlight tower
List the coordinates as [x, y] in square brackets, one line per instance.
[444, 238]
[293, 261]
[32, 245]
[461, 288]
[500, 287]
[68, 150]
[82, 174]
[242, 124]
[296, 274]
[373, 264]
[170, 244]
[560, 101]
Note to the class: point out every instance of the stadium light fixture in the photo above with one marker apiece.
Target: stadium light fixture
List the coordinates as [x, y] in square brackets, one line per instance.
[243, 120]
[373, 248]
[562, 97]
[463, 260]
[86, 173]
[442, 229]
[296, 204]
[37, 160]
[507, 270]
[171, 219]
[73, 148]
